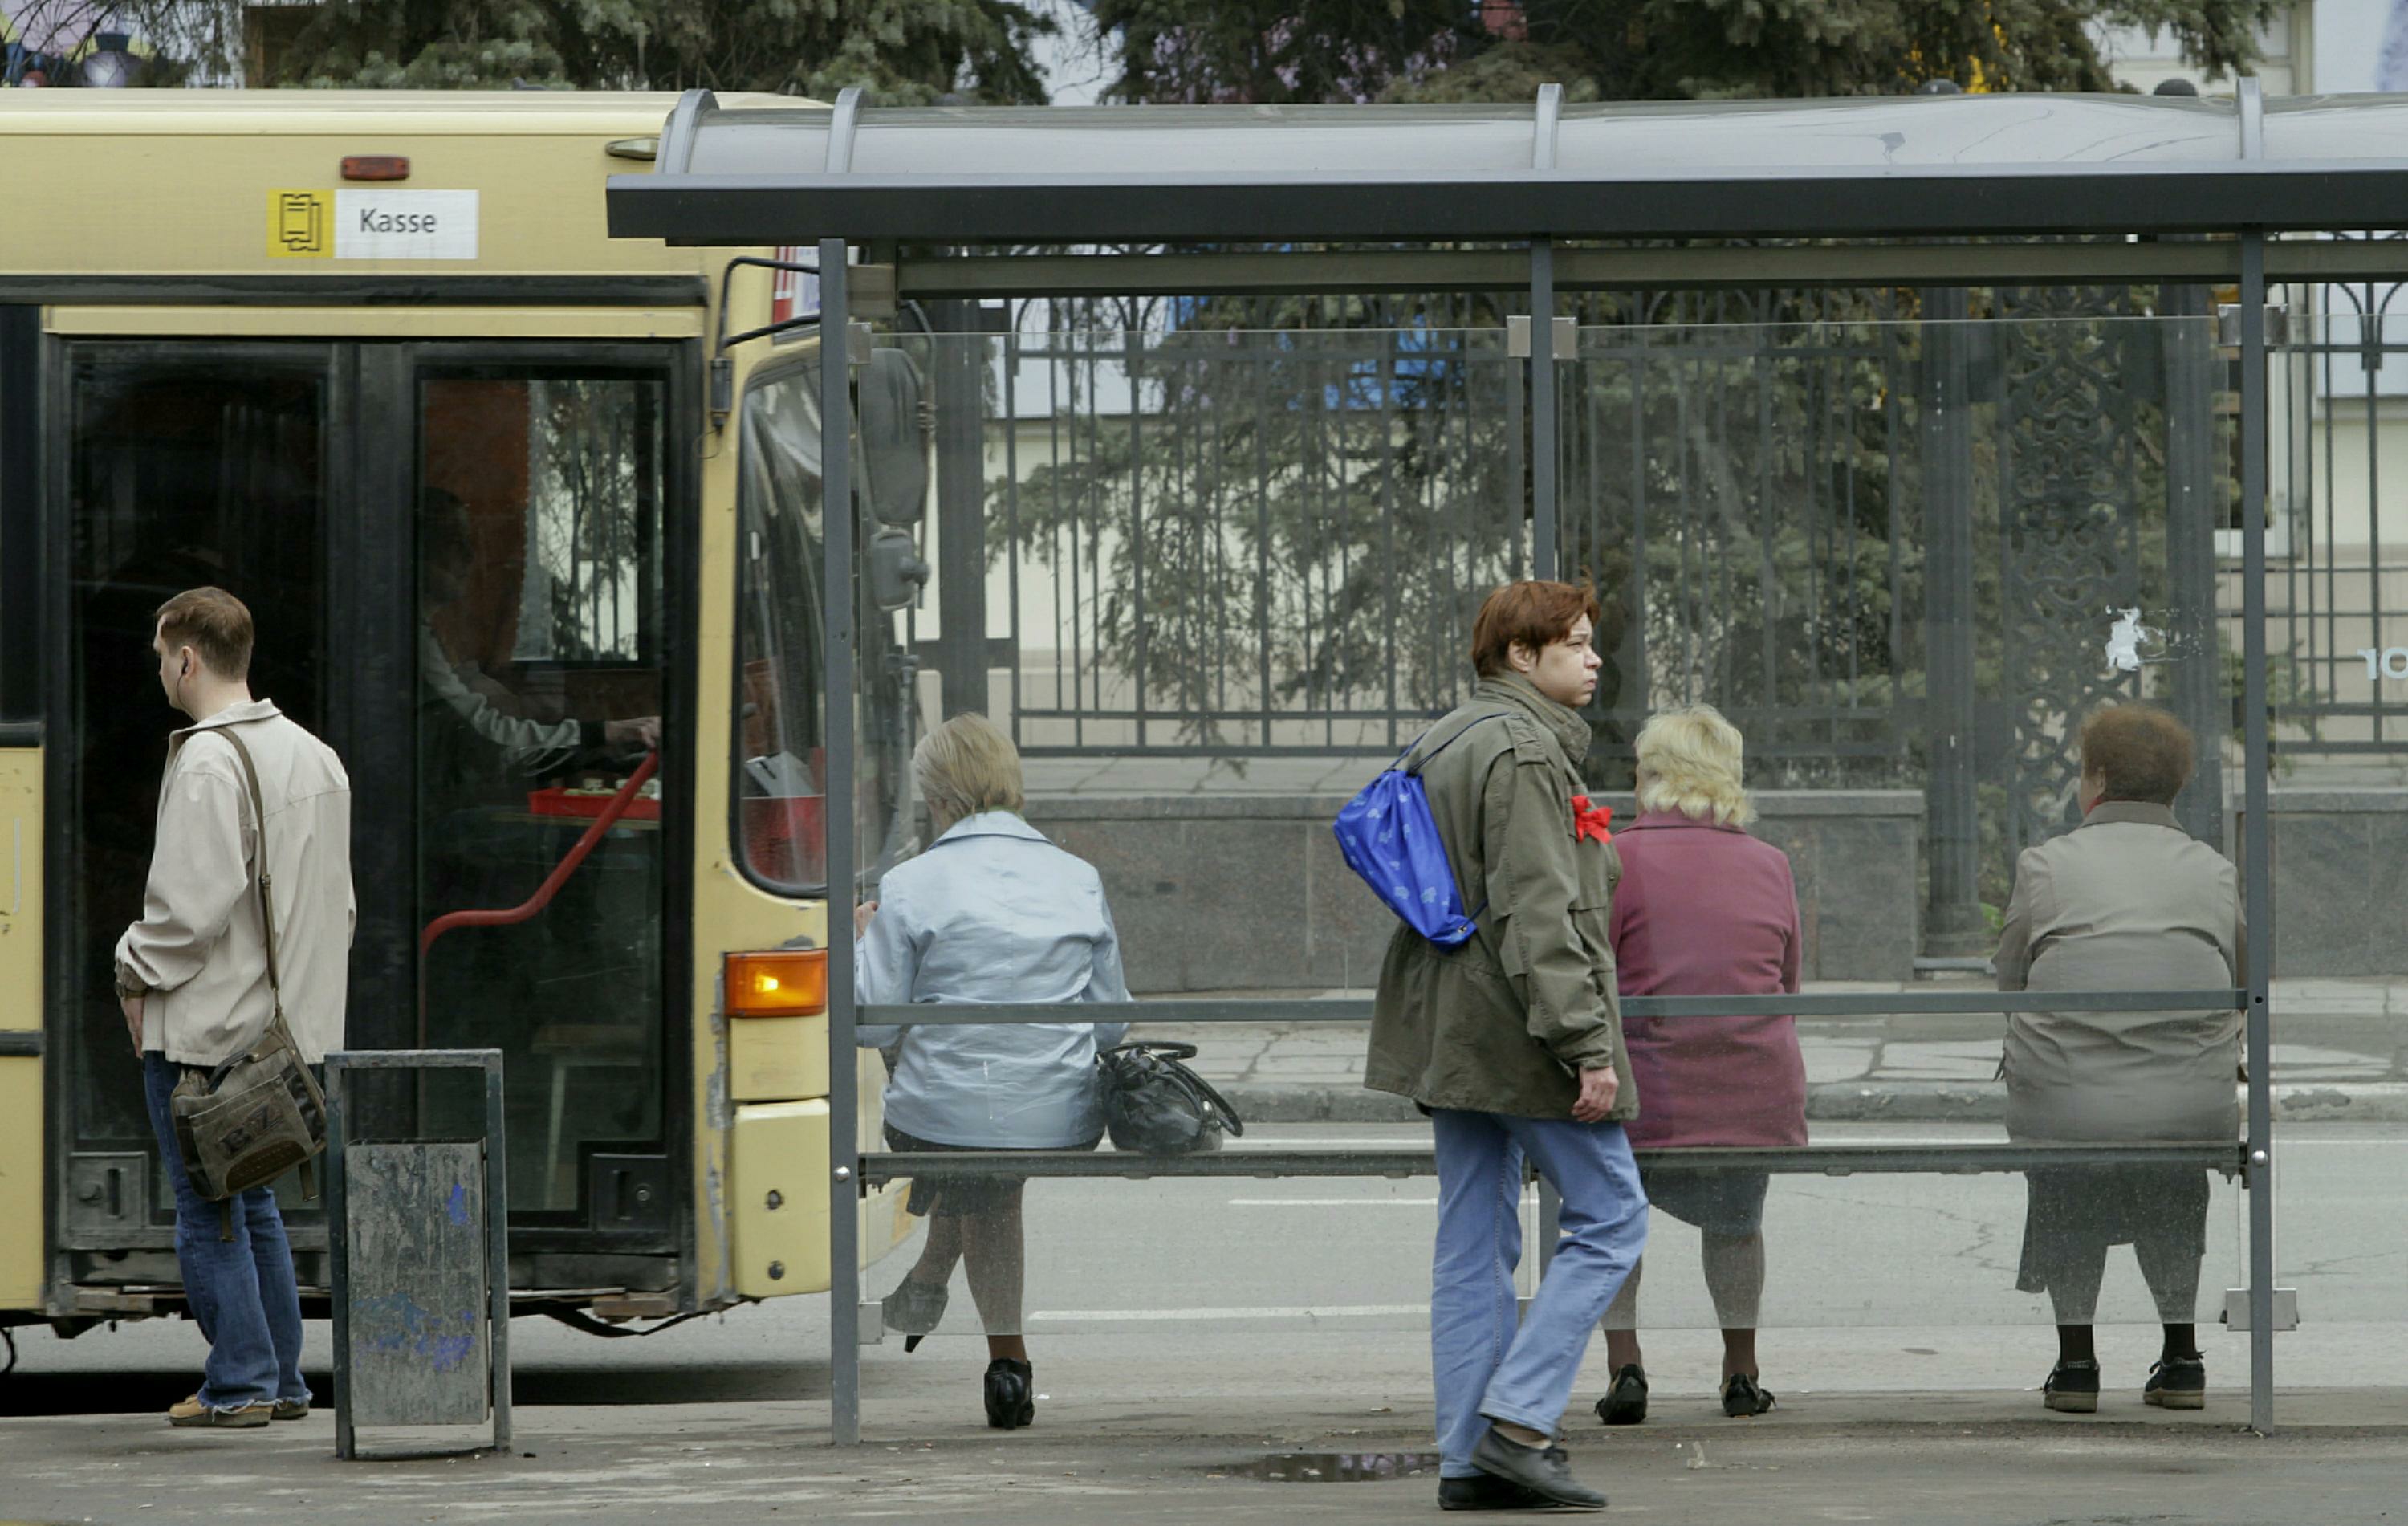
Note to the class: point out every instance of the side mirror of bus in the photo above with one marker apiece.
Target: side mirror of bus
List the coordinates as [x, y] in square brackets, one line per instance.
[896, 573]
[894, 439]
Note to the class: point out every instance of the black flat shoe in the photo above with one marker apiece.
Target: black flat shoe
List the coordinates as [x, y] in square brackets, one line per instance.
[2178, 1383]
[1741, 1398]
[1486, 1491]
[1011, 1393]
[913, 1309]
[1625, 1399]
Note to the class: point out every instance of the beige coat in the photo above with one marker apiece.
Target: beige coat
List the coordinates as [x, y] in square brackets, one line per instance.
[1505, 1022]
[2129, 901]
[198, 946]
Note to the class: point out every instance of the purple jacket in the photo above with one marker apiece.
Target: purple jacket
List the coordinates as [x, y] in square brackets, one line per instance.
[1704, 910]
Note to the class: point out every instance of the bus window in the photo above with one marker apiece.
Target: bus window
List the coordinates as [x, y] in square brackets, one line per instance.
[781, 757]
[539, 691]
[781, 827]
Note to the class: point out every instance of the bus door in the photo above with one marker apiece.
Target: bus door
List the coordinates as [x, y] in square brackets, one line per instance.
[541, 482]
[459, 560]
[174, 465]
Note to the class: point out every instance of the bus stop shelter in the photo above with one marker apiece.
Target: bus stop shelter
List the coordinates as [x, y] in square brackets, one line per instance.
[1933, 194]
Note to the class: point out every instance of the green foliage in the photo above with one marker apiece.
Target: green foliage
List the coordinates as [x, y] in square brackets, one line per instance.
[1261, 50]
[1277, 51]
[906, 51]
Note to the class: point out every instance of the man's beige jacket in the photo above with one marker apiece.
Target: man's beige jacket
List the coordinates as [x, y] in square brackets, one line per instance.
[198, 946]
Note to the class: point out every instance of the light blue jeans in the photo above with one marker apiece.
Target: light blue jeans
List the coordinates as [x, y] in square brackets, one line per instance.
[241, 1291]
[1488, 1365]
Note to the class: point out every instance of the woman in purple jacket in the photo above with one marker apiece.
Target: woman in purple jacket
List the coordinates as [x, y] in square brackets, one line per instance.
[1704, 910]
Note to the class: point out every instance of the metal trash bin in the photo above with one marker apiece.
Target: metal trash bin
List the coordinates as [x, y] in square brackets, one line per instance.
[418, 1238]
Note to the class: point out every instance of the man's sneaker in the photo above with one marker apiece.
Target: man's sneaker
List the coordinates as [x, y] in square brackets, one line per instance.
[2072, 1388]
[1544, 1471]
[193, 1413]
[1481, 1492]
[1625, 1399]
[1741, 1398]
[291, 1409]
[2176, 1383]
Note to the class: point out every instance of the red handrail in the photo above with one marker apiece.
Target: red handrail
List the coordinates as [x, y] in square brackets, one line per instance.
[551, 886]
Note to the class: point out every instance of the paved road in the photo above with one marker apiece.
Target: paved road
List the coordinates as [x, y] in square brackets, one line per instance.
[1187, 1330]
[1140, 1291]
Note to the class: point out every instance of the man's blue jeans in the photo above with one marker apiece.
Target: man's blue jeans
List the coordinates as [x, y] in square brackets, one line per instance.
[241, 1291]
[1488, 1365]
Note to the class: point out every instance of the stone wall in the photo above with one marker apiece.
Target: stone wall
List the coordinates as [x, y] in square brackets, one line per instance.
[1248, 891]
[2341, 882]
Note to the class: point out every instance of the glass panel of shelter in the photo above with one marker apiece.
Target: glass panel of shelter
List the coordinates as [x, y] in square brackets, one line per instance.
[1233, 574]
[2338, 836]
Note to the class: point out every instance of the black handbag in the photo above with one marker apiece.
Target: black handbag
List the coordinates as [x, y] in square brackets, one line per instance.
[244, 1123]
[1155, 1106]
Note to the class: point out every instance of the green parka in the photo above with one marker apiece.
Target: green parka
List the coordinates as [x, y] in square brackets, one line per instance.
[1504, 1022]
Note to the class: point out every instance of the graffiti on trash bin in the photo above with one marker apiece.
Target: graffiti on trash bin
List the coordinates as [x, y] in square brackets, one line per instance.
[396, 1325]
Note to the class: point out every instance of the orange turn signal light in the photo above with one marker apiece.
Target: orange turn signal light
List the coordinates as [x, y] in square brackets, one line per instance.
[781, 982]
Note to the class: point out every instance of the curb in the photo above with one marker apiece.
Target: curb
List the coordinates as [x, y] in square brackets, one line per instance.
[1831, 1101]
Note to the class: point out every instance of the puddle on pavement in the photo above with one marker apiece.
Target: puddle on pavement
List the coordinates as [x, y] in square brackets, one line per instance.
[1331, 1467]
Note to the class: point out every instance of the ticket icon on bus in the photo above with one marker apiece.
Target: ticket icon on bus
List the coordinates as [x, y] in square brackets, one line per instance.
[299, 224]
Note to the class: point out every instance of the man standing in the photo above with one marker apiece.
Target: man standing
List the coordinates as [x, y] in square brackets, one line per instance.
[192, 975]
[1513, 1043]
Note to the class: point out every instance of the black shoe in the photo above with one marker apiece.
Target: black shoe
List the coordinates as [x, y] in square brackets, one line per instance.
[2073, 1388]
[2176, 1383]
[913, 1309]
[1483, 1491]
[1011, 1393]
[1625, 1398]
[1741, 1398]
[1544, 1471]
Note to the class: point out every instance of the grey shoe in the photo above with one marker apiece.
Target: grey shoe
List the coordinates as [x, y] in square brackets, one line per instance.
[1542, 1470]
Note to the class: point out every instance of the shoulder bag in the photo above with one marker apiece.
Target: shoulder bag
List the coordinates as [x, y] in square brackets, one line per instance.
[1155, 1106]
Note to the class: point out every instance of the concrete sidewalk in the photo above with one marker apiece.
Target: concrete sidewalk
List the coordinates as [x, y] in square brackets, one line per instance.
[2341, 1054]
[1908, 1460]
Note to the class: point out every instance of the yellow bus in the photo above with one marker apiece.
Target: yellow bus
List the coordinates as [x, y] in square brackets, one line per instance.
[528, 519]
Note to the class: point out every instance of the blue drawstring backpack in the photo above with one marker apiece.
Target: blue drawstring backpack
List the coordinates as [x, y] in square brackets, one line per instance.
[1389, 837]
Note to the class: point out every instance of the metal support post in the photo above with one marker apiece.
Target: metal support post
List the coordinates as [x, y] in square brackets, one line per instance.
[838, 601]
[2191, 481]
[1543, 537]
[498, 1245]
[1551, 1223]
[1953, 926]
[961, 508]
[2257, 841]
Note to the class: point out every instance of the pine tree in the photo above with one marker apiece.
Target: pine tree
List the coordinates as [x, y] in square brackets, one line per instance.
[1318, 51]
[906, 51]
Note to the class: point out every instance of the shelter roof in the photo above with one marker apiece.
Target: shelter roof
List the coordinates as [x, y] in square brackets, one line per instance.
[1851, 168]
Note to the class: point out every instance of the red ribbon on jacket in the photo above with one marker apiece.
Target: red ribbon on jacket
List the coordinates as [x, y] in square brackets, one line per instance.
[1589, 820]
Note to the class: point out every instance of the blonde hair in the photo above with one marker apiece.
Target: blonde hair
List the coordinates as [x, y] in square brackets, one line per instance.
[1690, 761]
[967, 766]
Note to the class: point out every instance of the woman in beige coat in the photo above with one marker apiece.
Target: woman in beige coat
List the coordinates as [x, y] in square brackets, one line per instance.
[2128, 901]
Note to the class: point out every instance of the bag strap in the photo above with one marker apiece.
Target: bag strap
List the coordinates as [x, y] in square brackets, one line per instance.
[263, 880]
[1472, 917]
[1465, 732]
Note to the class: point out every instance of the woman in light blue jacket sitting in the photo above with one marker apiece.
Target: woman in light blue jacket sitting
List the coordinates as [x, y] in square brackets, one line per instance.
[992, 912]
